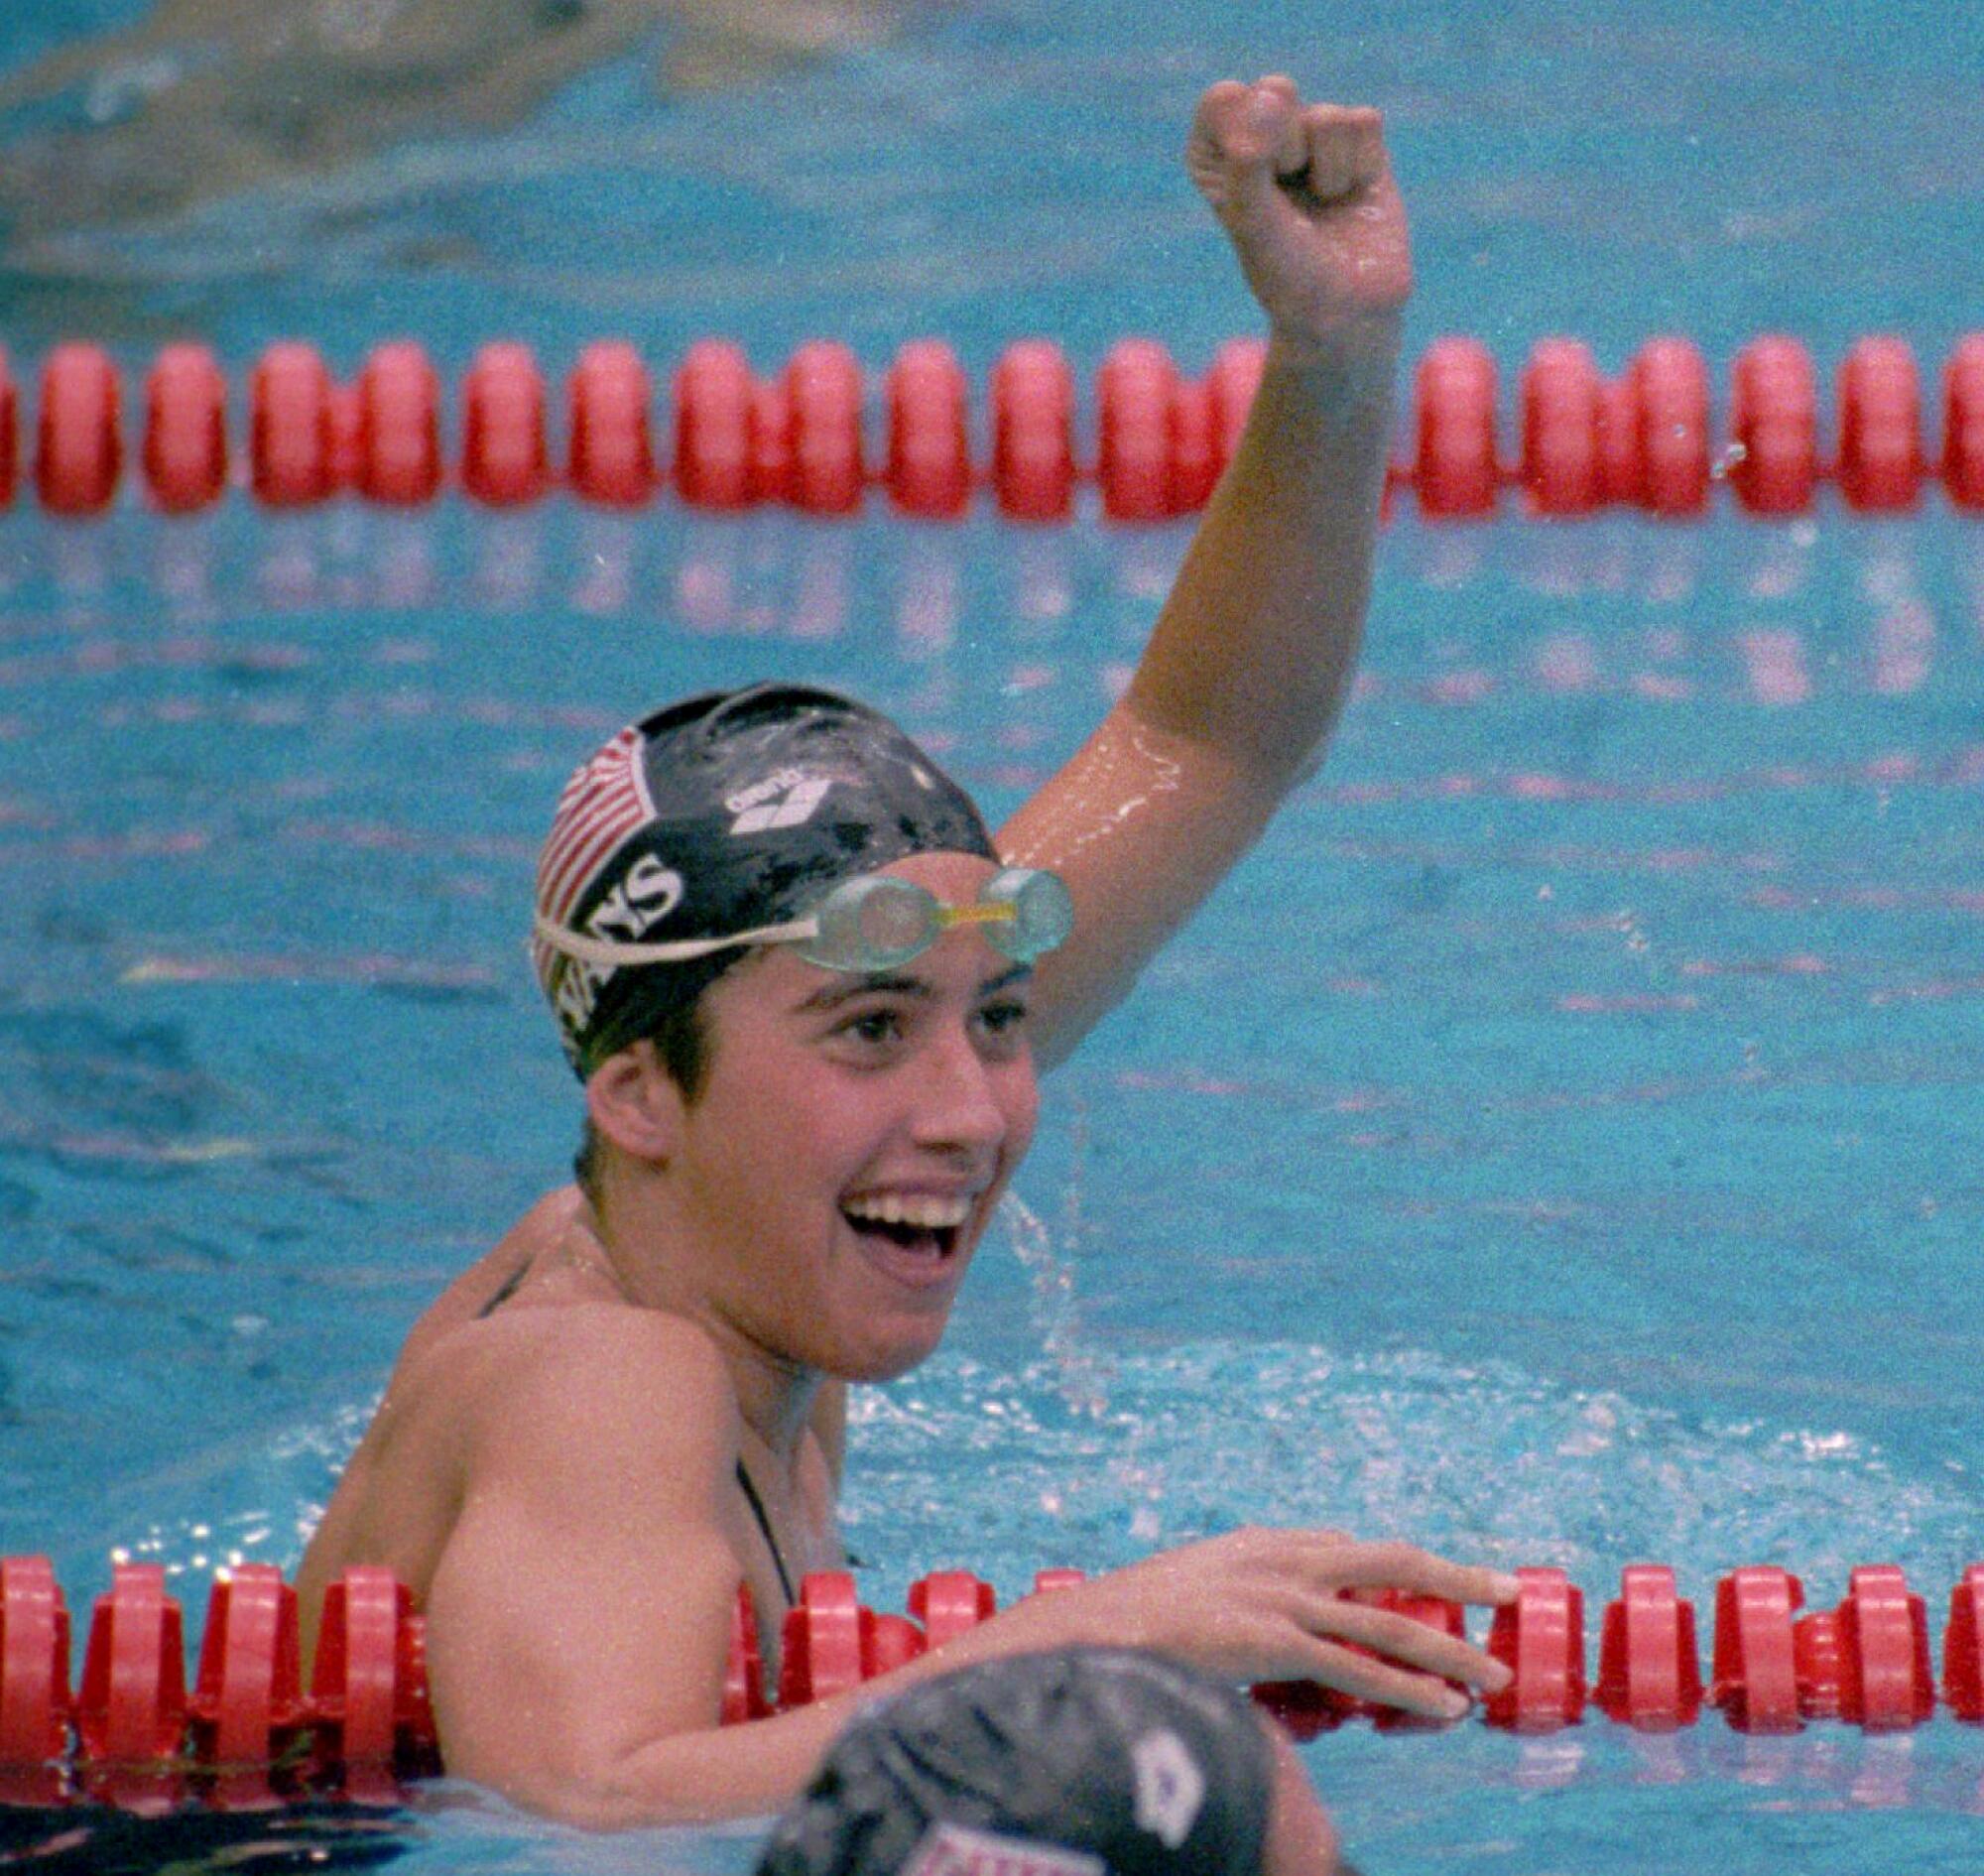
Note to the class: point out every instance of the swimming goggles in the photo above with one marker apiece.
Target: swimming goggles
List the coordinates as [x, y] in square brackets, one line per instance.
[872, 922]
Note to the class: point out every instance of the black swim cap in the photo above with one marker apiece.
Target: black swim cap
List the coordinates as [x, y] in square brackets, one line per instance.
[718, 815]
[1083, 1761]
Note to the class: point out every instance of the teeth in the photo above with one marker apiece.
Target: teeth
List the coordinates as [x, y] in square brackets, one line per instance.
[926, 1213]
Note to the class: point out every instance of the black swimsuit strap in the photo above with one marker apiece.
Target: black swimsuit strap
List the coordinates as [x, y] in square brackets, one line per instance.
[757, 1505]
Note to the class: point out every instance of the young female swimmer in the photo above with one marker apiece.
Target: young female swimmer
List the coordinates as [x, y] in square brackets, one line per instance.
[809, 997]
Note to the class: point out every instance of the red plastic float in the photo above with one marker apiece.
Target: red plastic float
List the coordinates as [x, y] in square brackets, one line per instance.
[1773, 423]
[1755, 1678]
[186, 429]
[9, 433]
[744, 1671]
[612, 449]
[947, 1603]
[80, 449]
[713, 396]
[1880, 426]
[1963, 1647]
[1649, 1673]
[398, 427]
[1540, 1636]
[131, 1708]
[1963, 424]
[1889, 1683]
[504, 458]
[928, 469]
[33, 1682]
[1033, 432]
[1669, 384]
[1561, 394]
[824, 395]
[1135, 394]
[1454, 471]
[365, 1702]
[290, 439]
[247, 1706]
[1818, 1660]
[821, 1651]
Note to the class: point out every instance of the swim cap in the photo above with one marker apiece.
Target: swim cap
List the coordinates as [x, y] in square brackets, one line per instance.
[1083, 1761]
[723, 813]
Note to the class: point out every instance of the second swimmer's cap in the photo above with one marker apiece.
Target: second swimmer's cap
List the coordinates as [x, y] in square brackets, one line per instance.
[1083, 1761]
[718, 815]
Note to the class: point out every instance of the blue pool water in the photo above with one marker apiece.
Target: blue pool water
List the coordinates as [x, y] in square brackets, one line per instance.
[1557, 1144]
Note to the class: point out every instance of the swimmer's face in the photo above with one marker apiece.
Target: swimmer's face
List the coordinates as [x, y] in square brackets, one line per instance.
[852, 1138]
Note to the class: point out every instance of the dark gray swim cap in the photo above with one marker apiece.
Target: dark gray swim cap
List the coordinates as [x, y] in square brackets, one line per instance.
[718, 815]
[1083, 1761]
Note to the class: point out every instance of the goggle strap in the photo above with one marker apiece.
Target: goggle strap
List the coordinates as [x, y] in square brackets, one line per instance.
[611, 955]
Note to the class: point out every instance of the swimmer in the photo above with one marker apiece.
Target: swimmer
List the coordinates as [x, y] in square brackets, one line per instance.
[206, 97]
[1083, 1762]
[808, 994]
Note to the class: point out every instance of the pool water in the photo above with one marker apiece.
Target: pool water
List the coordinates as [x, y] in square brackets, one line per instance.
[1557, 1144]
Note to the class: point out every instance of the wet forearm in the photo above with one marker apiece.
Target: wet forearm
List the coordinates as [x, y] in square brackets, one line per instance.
[1255, 648]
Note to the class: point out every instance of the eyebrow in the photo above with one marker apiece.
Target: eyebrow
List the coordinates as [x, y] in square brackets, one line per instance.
[888, 983]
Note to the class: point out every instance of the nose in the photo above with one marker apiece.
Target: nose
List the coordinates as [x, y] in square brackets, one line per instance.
[958, 1106]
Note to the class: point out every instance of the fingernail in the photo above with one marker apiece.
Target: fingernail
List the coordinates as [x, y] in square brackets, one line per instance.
[1507, 1588]
[1455, 1704]
[1498, 1677]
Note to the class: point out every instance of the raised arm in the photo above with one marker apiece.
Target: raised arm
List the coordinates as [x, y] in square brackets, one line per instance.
[1251, 655]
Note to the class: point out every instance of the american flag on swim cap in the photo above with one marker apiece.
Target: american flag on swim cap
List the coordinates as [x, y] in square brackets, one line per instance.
[603, 803]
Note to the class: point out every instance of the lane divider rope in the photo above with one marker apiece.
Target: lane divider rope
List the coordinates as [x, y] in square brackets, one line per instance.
[247, 1733]
[1581, 442]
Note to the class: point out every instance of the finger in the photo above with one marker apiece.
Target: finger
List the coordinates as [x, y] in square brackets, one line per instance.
[1384, 1684]
[1345, 150]
[1401, 1638]
[1406, 1566]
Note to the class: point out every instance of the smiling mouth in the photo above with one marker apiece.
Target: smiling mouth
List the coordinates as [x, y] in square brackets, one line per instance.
[909, 1232]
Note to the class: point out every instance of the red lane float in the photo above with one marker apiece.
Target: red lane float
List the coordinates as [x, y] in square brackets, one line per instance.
[713, 453]
[292, 444]
[398, 427]
[1773, 424]
[1162, 439]
[505, 459]
[1453, 471]
[80, 451]
[1540, 1636]
[1032, 433]
[1880, 426]
[247, 1735]
[1963, 1647]
[9, 434]
[611, 456]
[1963, 425]
[1649, 1671]
[1562, 396]
[186, 429]
[1754, 1680]
[928, 469]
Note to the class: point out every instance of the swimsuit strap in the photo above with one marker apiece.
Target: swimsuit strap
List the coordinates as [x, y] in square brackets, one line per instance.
[757, 1505]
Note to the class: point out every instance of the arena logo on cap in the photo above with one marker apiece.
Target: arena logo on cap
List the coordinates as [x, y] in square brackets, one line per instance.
[1171, 1787]
[949, 1849]
[788, 798]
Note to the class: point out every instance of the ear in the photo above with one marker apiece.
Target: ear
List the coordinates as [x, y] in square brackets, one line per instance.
[634, 1102]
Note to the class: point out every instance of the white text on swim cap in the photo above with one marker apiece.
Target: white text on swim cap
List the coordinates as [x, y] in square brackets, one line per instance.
[641, 901]
[785, 800]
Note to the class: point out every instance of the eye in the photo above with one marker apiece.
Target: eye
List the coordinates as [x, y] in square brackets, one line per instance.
[1005, 1020]
[875, 1026]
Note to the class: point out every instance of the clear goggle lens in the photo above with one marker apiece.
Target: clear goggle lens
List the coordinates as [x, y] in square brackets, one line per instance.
[877, 921]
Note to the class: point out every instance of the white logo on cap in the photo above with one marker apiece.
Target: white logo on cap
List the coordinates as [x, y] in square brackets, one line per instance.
[949, 1849]
[1171, 1787]
[785, 800]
